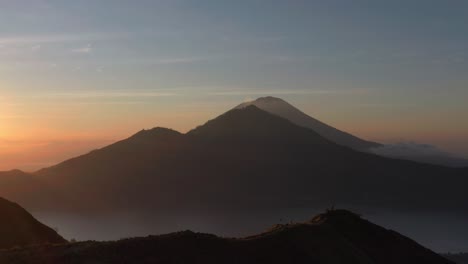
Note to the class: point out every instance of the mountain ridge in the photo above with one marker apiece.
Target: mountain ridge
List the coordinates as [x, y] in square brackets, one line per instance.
[246, 153]
[336, 236]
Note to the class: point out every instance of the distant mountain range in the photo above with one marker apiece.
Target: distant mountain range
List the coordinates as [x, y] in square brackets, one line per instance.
[19, 228]
[245, 158]
[337, 236]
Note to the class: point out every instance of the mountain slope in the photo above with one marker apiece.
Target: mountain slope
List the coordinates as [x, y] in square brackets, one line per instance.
[246, 158]
[337, 236]
[283, 109]
[460, 258]
[19, 228]
[413, 152]
[253, 124]
[28, 190]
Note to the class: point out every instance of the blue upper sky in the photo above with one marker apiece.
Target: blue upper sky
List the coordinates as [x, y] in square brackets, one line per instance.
[384, 70]
[297, 45]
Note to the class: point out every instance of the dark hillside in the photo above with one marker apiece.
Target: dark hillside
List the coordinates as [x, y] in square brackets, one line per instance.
[19, 228]
[334, 237]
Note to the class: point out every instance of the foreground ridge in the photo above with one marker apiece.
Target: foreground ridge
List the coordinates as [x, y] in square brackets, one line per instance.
[19, 228]
[336, 236]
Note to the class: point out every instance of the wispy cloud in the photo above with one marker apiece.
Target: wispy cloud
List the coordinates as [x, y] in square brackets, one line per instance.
[7, 117]
[105, 94]
[180, 60]
[241, 92]
[57, 38]
[420, 152]
[16, 40]
[382, 105]
[84, 50]
[117, 94]
[36, 47]
[111, 103]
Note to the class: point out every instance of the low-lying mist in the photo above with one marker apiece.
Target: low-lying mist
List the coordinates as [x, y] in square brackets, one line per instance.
[421, 153]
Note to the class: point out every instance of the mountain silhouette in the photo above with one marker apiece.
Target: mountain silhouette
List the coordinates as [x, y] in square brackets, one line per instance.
[245, 158]
[415, 152]
[19, 228]
[337, 236]
[283, 109]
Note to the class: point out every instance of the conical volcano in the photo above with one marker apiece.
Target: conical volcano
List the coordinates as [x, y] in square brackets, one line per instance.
[283, 109]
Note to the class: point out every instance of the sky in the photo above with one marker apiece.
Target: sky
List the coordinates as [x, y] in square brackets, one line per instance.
[77, 75]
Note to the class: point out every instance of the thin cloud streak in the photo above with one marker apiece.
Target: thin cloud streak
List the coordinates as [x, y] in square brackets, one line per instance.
[288, 92]
[86, 49]
[111, 103]
[103, 94]
[14, 117]
[56, 38]
[180, 60]
[36, 47]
